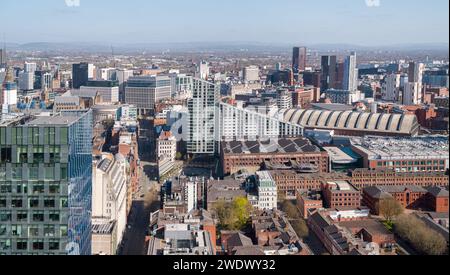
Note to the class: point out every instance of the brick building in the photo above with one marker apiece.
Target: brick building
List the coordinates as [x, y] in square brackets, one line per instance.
[308, 202]
[416, 154]
[338, 194]
[437, 199]
[251, 155]
[290, 181]
[361, 178]
[410, 197]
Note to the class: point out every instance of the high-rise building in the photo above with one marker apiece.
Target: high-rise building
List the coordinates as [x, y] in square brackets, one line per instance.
[251, 74]
[3, 58]
[47, 81]
[26, 81]
[30, 67]
[80, 75]
[109, 203]
[412, 94]
[145, 91]
[284, 99]
[107, 89]
[46, 181]
[8, 91]
[203, 116]
[299, 59]
[415, 72]
[390, 90]
[329, 72]
[122, 76]
[203, 70]
[350, 81]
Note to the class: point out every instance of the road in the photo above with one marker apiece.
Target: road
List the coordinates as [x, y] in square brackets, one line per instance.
[145, 201]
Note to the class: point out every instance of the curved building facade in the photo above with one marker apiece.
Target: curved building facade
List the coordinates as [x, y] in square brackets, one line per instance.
[354, 123]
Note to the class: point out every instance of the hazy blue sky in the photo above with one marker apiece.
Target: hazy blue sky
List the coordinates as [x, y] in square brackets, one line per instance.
[273, 21]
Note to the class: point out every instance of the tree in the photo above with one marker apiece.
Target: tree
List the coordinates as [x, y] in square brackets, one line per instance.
[291, 210]
[233, 215]
[301, 228]
[179, 156]
[423, 239]
[389, 209]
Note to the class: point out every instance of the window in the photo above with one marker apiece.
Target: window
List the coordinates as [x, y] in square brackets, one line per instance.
[5, 244]
[64, 203]
[22, 154]
[6, 154]
[22, 244]
[17, 202]
[16, 230]
[38, 188]
[53, 245]
[22, 216]
[33, 231]
[64, 135]
[16, 171]
[33, 173]
[5, 216]
[5, 187]
[38, 154]
[54, 216]
[49, 202]
[33, 202]
[63, 231]
[2, 202]
[3, 230]
[49, 172]
[38, 216]
[49, 231]
[22, 188]
[38, 244]
[54, 188]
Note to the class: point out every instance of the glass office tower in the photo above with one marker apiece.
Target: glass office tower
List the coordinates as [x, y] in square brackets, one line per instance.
[45, 184]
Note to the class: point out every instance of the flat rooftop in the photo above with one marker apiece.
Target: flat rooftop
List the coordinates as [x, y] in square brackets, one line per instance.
[338, 156]
[389, 148]
[54, 120]
[275, 146]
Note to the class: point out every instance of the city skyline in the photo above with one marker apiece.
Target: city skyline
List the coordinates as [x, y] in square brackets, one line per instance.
[197, 21]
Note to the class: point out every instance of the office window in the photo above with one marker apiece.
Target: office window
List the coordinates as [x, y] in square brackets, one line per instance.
[38, 216]
[49, 231]
[17, 202]
[22, 244]
[5, 216]
[33, 231]
[38, 188]
[22, 216]
[49, 202]
[5, 187]
[53, 245]
[16, 230]
[33, 202]
[54, 216]
[38, 244]
[2, 202]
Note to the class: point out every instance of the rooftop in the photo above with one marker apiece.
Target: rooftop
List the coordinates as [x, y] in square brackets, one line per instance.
[280, 146]
[389, 148]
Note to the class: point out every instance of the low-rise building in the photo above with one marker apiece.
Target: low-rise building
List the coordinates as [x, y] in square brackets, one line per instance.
[251, 155]
[340, 194]
[308, 202]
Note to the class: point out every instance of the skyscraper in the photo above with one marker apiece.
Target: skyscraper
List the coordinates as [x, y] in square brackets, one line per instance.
[46, 180]
[145, 91]
[350, 82]
[299, 59]
[203, 70]
[329, 72]
[203, 117]
[390, 90]
[80, 75]
[3, 58]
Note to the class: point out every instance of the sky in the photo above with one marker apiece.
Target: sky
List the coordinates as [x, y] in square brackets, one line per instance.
[305, 22]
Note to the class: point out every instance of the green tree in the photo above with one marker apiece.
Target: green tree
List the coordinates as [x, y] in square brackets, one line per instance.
[233, 215]
[389, 209]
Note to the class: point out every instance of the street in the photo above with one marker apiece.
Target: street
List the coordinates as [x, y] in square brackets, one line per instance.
[145, 201]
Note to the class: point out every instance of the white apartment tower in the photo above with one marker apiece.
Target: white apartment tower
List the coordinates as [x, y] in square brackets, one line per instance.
[203, 117]
[391, 87]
